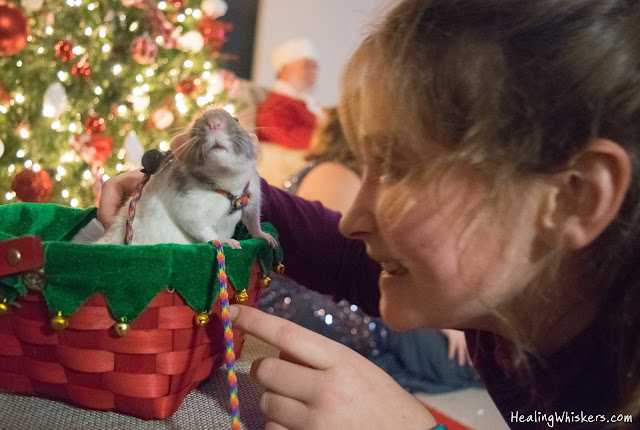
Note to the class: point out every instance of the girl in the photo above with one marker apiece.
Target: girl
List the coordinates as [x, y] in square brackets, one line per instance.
[500, 141]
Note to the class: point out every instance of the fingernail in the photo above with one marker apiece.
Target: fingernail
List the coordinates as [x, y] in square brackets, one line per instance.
[233, 311]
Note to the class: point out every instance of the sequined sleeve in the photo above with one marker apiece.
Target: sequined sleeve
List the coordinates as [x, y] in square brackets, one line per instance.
[316, 254]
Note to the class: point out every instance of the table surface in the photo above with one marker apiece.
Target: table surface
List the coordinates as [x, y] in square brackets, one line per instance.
[206, 407]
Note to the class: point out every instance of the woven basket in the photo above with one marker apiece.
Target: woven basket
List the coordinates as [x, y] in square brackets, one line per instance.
[145, 373]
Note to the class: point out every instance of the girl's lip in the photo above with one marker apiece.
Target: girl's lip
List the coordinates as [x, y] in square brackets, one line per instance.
[393, 268]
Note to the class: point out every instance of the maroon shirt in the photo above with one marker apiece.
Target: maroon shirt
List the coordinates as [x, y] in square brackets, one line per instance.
[318, 256]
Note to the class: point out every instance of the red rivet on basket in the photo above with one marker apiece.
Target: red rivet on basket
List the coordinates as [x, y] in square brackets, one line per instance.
[13, 257]
[201, 319]
[241, 297]
[59, 323]
[121, 328]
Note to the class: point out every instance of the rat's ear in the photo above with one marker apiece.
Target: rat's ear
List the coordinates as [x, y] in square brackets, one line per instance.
[256, 143]
[178, 141]
[586, 196]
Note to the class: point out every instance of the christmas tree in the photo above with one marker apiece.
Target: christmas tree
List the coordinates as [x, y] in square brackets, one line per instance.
[86, 86]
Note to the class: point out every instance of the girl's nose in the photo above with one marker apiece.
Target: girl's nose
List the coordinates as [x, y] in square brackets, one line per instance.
[359, 221]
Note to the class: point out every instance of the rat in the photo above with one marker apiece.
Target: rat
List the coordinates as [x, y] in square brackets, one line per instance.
[201, 190]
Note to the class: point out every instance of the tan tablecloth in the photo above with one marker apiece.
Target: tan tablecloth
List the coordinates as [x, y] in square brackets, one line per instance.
[204, 408]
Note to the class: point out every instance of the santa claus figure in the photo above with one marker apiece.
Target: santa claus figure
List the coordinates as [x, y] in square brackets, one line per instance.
[287, 116]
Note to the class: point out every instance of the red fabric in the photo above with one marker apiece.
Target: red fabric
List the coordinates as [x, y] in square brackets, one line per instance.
[447, 421]
[31, 255]
[285, 121]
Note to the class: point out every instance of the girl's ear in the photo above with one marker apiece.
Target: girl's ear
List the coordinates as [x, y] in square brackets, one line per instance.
[585, 198]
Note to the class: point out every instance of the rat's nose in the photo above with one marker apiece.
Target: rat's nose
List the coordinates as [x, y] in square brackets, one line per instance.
[215, 124]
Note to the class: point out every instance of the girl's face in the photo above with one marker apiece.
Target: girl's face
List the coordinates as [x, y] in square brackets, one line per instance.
[455, 256]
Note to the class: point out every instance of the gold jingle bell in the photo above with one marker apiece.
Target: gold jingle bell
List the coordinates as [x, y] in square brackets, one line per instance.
[201, 319]
[241, 297]
[121, 328]
[266, 281]
[58, 322]
[4, 308]
[280, 269]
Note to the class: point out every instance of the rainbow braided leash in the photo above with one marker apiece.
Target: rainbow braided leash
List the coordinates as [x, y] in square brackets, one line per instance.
[224, 299]
[228, 337]
[128, 232]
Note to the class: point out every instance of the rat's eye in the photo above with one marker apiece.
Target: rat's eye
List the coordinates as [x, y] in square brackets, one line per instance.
[236, 119]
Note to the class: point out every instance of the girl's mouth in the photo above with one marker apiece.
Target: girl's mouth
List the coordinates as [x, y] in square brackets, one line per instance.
[393, 268]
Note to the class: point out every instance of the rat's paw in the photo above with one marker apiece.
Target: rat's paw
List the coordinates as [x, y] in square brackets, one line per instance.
[269, 238]
[234, 244]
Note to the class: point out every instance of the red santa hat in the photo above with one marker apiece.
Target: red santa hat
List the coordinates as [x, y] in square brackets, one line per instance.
[292, 50]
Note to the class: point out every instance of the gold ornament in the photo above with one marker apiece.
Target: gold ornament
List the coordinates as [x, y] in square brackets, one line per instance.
[266, 281]
[4, 309]
[59, 323]
[241, 297]
[121, 328]
[280, 269]
[201, 319]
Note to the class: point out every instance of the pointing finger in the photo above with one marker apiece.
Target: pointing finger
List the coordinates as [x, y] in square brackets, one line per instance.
[301, 344]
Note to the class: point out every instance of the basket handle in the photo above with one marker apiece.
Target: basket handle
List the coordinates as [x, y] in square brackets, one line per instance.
[22, 254]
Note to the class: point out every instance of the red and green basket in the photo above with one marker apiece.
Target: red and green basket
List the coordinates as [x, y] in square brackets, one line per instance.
[131, 329]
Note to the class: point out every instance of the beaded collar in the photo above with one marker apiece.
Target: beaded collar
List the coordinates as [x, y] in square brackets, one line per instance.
[239, 202]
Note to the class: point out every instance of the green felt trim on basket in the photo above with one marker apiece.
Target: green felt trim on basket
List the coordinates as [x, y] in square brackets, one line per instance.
[129, 276]
[49, 221]
[11, 287]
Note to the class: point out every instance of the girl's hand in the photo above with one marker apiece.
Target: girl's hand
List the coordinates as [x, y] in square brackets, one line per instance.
[320, 384]
[115, 192]
[457, 346]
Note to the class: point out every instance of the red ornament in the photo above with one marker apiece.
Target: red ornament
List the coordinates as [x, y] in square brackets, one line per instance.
[81, 69]
[31, 186]
[214, 31]
[176, 3]
[186, 86]
[92, 148]
[64, 50]
[161, 118]
[144, 49]
[94, 124]
[14, 29]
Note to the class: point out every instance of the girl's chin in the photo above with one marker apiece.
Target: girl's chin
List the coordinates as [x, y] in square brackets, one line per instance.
[395, 315]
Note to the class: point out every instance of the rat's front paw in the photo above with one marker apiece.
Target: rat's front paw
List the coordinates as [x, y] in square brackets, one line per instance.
[269, 238]
[234, 244]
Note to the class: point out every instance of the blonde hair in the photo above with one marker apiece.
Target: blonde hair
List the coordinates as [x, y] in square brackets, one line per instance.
[513, 88]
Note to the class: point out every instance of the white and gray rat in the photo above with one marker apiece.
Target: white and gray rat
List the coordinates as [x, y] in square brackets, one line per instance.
[199, 191]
